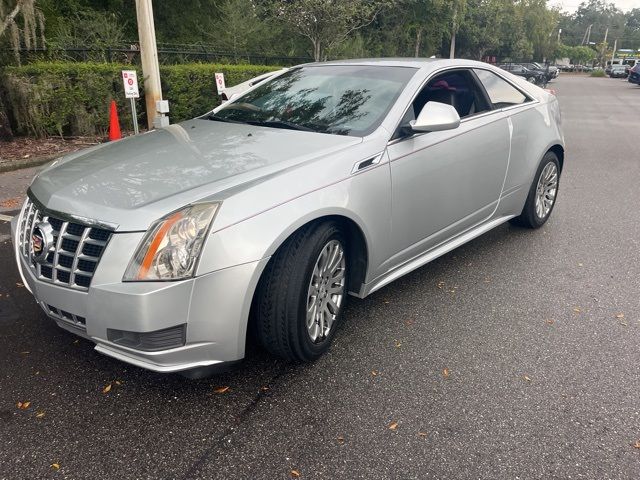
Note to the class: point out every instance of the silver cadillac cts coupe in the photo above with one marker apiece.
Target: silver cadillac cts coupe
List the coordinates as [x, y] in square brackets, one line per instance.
[328, 179]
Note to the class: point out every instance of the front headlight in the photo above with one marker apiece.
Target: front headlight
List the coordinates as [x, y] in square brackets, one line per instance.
[171, 247]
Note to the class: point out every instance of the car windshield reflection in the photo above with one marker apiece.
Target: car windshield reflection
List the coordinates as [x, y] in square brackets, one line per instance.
[337, 99]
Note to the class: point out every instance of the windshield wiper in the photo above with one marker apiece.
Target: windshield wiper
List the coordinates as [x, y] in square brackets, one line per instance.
[216, 118]
[280, 124]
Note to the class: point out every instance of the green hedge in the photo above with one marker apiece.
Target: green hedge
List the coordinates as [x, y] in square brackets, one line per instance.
[68, 98]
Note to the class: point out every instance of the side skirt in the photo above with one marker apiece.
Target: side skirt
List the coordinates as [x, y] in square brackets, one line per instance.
[428, 256]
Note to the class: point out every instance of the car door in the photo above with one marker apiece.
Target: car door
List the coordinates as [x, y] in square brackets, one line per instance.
[444, 183]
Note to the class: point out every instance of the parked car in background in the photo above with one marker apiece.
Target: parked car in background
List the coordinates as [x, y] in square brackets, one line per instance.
[533, 76]
[229, 92]
[618, 71]
[549, 71]
[634, 74]
[330, 179]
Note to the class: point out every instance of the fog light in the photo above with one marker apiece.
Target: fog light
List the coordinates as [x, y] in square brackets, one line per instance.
[164, 339]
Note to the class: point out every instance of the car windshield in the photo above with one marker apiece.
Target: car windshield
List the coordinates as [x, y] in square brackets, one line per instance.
[337, 99]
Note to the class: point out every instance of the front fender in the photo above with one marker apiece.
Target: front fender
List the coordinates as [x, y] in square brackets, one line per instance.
[364, 199]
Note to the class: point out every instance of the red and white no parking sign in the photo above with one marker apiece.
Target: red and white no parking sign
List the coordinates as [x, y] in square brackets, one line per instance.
[130, 81]
[220, 82]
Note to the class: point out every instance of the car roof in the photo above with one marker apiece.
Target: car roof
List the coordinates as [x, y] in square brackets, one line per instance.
[420, 63]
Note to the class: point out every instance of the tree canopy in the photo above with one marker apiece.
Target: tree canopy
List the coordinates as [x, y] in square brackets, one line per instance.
[320, 29]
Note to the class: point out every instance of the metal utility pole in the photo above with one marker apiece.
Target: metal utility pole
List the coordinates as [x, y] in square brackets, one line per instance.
[454, 27]
[149, 57]
[587, 35]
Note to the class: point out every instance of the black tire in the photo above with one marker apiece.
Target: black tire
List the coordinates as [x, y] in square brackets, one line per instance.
[529, 218]
[281, 301]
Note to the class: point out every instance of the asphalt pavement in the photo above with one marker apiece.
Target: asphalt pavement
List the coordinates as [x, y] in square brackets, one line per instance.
[515, 356]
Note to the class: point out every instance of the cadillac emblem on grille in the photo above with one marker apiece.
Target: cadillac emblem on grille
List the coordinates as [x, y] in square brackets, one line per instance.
[41, 241]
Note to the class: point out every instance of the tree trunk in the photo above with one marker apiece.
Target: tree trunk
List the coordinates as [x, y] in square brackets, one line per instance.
[10, 17]
[5, 127]
[317, 50]
[418, 42]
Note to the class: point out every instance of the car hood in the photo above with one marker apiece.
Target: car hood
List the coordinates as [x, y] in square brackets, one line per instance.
[137, 180]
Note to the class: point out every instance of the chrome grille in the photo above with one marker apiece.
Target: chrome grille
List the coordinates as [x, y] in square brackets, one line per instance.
[74, 255]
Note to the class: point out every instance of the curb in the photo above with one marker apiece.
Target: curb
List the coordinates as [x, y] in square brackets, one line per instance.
[11, 165]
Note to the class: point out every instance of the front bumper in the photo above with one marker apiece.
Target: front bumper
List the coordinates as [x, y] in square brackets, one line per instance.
[215, 308]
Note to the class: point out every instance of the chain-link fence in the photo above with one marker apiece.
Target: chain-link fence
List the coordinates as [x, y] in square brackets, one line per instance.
[167, 54]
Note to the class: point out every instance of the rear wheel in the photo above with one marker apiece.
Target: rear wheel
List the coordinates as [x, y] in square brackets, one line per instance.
[542, 194]
[302, 293]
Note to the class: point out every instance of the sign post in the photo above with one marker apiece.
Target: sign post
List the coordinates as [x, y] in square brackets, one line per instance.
[130, 81]
[220, 82]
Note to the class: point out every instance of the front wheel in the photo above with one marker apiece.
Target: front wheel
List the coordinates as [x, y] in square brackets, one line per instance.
[302, 293]
[542, 194]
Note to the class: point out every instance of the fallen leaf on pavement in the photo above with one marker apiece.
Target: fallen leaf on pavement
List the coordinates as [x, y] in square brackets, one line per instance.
[550, 321]
[40, 414]
[107, 388]
[526, 378]
[55, 466]
[264, 389]
[393, 426]
[340, 440]
[295, 474]
[620, 315]
[23, 405]
[374, 373]
[637, 444]
[446, 373]
[117, 382]
[577, 310]
[397, 343]
[579, 264]
[19, 285]
[423, 434]
[221, 389]
[10, 203]
[409, 322]
[26, 352]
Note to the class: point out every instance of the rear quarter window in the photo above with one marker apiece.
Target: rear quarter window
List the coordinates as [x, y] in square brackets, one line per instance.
[501, 93]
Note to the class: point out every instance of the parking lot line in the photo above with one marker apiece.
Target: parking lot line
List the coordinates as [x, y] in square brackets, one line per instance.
[5, 218]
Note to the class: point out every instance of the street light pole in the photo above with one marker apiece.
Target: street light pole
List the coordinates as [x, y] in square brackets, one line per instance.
[149, 57]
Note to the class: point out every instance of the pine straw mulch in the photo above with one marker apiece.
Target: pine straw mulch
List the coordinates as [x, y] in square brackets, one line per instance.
[25, 148]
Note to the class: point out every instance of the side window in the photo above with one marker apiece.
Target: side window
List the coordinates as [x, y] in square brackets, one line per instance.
[501, 93]
[456, 88]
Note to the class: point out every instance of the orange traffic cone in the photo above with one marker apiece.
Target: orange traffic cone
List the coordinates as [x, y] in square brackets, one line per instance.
[114, 123]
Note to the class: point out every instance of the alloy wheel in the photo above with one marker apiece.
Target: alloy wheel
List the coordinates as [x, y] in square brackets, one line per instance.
[546, 190]
[326, 291]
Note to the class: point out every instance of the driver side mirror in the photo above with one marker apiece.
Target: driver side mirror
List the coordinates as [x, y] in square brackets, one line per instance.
[436, 117]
